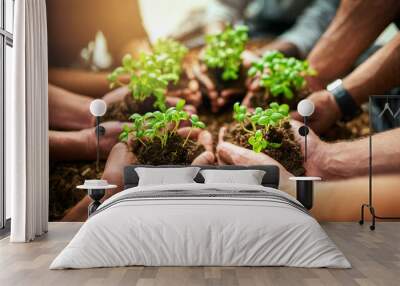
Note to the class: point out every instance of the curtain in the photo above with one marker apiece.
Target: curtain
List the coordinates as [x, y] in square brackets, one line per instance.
[27, 124]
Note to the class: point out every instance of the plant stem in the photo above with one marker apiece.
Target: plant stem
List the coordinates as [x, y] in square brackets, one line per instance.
[187, 137]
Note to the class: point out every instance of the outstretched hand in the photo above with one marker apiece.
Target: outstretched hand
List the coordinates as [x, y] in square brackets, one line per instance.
[204, 138]
[230, 154]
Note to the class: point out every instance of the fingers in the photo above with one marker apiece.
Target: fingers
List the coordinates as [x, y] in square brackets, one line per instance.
[221, 134]
[116, 95]
[205, 138]
[184, 132]
[205, 158]
[296, 116]
[234, 155]
[119, 157]
[203, 78]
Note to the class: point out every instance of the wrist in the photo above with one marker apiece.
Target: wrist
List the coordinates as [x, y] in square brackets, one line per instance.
[348, 107]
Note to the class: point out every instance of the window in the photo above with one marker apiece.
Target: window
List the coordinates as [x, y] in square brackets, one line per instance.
[6, 63]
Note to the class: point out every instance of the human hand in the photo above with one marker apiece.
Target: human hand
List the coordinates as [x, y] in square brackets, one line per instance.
[107, 141]
[203, 137]
[231, 154]
[326, 112]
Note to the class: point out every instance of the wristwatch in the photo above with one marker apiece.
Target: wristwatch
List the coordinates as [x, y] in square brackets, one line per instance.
[344, 100]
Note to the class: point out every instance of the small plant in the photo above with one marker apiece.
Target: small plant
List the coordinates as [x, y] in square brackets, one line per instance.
[170, 54]
[224, 50]
[281, 75]
[258, 123]
[159, 125]
[150, 74]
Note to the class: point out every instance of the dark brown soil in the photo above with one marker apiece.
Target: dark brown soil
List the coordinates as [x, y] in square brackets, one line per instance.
[64, 177]
[356, 128]
[289, 154]
[173, 153]
[263, 98]
[121, 111]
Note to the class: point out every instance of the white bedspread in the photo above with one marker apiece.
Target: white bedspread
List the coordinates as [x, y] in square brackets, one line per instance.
[183, 231]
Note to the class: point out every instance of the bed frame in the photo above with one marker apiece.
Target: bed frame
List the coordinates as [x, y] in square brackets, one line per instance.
[271, 177]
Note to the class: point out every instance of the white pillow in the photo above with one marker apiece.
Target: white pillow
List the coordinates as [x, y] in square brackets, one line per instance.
[164, 176]
[248, 177]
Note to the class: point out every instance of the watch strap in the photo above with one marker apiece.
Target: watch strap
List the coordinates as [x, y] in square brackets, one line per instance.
[344, 100]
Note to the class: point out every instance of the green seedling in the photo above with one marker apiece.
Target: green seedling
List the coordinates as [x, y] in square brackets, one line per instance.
[159, 125]
[281, 75]
[150, 73]
[224, 51]
[170, 54]
[260, 121]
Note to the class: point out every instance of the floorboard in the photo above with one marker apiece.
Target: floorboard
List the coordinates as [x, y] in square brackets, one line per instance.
[375, 257]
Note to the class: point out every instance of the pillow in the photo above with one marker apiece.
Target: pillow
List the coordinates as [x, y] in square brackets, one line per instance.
[163, 176]
[248, 177]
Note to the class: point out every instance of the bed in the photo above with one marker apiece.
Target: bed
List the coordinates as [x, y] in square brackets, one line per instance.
[201, 224]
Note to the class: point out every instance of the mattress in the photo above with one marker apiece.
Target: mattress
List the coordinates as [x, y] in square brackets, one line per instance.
[201, 225]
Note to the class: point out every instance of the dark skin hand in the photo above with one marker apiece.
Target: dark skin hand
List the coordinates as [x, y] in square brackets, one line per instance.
[217, 99]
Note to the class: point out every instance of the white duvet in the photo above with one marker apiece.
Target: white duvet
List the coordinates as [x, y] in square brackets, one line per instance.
[188, 231]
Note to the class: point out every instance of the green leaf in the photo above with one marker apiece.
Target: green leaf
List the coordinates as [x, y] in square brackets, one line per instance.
[180, 104]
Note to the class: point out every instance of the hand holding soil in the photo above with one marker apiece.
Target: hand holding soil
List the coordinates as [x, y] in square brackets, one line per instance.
[107, 141]
[231, 154]
[113, 173]
[121, 105]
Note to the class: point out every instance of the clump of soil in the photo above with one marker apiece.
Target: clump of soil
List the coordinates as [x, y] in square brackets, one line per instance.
[121, 111]
[263, 98]
[173, 153]
[64, 178]
[354, 129]
[289, 154]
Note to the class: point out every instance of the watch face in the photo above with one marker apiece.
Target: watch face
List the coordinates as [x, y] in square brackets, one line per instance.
[333, 85]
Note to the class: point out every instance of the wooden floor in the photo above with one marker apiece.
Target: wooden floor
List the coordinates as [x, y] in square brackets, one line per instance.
[375, 257]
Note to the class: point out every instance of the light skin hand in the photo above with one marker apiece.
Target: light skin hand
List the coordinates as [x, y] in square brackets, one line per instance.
[326, 112]
[230, 154]
[68, 110]
[113, 173]
[203, 137]
[81, 145]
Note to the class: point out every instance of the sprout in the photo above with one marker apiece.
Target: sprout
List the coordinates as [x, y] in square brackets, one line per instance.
[151, 73]
[261, 121]
[159, 125]
[281, 75]
[224, 50]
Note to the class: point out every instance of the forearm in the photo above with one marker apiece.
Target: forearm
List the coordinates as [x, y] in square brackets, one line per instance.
[351, 159]
[93, 84]
[68, 111]
[354, 28]
[68, 146]
[380, 73]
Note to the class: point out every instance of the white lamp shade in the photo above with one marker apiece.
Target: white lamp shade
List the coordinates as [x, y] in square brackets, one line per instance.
[98, 107]
[305, 107]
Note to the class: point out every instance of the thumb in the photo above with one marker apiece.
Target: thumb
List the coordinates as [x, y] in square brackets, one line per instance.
[296, 116]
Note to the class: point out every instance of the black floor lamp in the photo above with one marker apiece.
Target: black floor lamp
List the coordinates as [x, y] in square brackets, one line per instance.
[384, 114]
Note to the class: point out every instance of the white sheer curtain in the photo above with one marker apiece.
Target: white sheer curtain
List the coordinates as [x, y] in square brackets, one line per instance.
[27, 124]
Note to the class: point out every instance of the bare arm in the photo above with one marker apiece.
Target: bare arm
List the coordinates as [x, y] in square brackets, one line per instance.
[81, 145]
[356, 25]
[93, 84]
[68, 111]
[351, 159]
[378, 74]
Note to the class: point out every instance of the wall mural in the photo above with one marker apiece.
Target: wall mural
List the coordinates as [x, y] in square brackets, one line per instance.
[174, 101]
